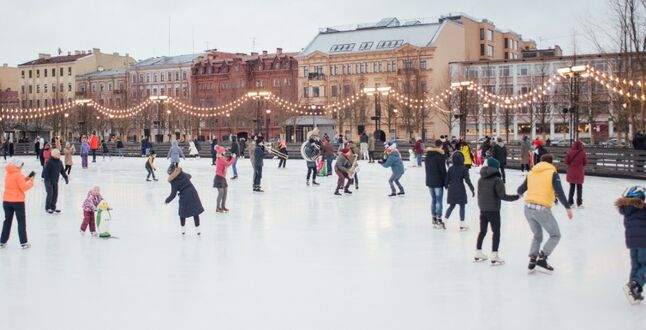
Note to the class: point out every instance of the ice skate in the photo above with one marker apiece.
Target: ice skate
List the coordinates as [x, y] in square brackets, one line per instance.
[463, 226]
[225, 210]
[183, 230]
[155, 179]
[197, 231]
[234, 177]
[542, 264]
[148, 180]
[219, 210]
[57, 211]
[532, 265]
[347, 191]
[401, 193]
[435, 222]
[307, 183]
[392, 195]
[336, 192]
[82, 233]
[496, 260]
[94, 234]
[633, 293]
[50, 211]
[440, 224]
[3, 245]
[315, 183]
[25, 246]
[480, 257]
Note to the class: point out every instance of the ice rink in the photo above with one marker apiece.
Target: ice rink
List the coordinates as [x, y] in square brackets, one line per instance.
[297, 257]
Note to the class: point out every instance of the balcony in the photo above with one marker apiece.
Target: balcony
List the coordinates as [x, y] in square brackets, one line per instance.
[81, 94]
[316, 76]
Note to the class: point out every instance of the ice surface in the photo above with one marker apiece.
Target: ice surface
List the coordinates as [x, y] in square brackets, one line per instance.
[297, 257]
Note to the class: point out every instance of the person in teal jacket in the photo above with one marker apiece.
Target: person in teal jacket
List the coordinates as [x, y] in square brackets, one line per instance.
[396, 165]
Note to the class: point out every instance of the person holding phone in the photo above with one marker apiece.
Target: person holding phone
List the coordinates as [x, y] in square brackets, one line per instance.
[15, 186]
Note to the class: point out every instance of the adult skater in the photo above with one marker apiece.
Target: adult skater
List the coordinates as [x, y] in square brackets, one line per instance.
[174, 153]
[257, 162]
[47, 153]
[41, 144]
[464, 148]
[85, 151]
[576, 161]
[214, 143]
[363, 140]
[631, 206]
[282, 148]
[328, 156]
[69, 155]
[189, 201]
[456, 177]
[37, 147]
[312, 154]
[94, 145]
[11, 147]
[220, 180]
[119, 148]
[354, 162]
[435, 179]
[396, 165]
[13, 201]
[106, 149]
[371, 151]
[499, 152]
[52, 173]
[235, 151]
[342, 170]
[192, 150]
[525, 148]
[485, 148]
[418, 148]
[491, 190]
[541, 185]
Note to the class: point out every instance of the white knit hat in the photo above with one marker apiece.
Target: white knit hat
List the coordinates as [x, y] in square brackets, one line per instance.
[56, 153]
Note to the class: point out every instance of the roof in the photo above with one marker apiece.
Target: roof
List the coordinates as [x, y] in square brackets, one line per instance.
[55, 59]
[168, 60]
[389, 33]
[104, 73]
[307, 121]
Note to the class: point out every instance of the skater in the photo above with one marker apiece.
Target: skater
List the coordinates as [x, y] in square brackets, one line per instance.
[541, 185]
[51, 173]
[631, 206]
[363, 142]
[371, 152]
[46, 153]
[94, 145]
[69, 153]
[192, 150]
[11, 147]
[354, 162]
[15, 186]
[257, 162]
[491, 190]
[106, 149]
[456, 177]
[418, 148]
[235, 151]
[524, 154]
[89, 205]
[310, 152]
[220, 180]
[37, 147]
[499, 152]
[396, 165]
[119, 148]
[85, 150]
[464, 148]
[214, 143]
[174, 153]
[539, 151]
[328, 156]
[484, 149]
[282, 147]
[189, 201]
[435, 179]
[342, 170]
[145, 148]
[576, 161]
[150, 166]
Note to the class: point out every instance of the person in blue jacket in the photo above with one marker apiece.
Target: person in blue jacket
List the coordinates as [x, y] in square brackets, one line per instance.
[631, 206]
[396, 165]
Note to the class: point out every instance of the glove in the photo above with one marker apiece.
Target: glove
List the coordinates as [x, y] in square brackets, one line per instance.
[473, 193]
[167, 200]
[67, 181]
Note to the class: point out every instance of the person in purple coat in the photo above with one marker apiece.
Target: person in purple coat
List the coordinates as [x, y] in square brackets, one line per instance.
[85, 151]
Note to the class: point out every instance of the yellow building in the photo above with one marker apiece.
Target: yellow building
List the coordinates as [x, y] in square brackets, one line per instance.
[51, 80]
[410, 57]
[8, 78]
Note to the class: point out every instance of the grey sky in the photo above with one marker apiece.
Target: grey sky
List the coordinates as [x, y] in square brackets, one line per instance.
[140, 27]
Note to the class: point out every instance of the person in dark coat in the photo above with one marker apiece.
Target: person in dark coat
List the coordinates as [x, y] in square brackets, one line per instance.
[51, 174]
[485, 148]
[631, 206]
[576, 161]
[214, 155]
[235, 150]
[257, 162]
[456, 177]
[525, 147]
[189, 201]
[491, 191]
[37, 147]
[499, 152]
[435, 179]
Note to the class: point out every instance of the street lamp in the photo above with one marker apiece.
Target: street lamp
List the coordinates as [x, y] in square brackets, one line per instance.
[377, 92]
[464, 87]
[159, 137]
[267, 122]
[573, 73]
[258, 95]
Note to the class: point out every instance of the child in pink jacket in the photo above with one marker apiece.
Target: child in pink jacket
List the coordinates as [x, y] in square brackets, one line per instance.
[220, 181]
[89, 205]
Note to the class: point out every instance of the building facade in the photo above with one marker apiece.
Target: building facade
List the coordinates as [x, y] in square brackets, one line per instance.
[220, 78]
[51, 80]
[9, 77]
[410, 57]
[106, 87]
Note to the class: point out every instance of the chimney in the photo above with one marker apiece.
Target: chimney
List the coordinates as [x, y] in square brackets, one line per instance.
[96, 50]
[43, 55]
[264, 52]
[279, 51]
[69, 53]
[254, 54]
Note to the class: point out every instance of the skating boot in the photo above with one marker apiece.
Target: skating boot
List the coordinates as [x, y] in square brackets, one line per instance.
[219, 210]
[401, 193]
[183, 230]
[25, 246]
[315, 183]
[633, 293]
[82, 233]
[234, 177]
[197, 231]
[480, 257]
[441, 224]
[392, 194]
[147, 179]
[336, 192]
[463, 226]
[542, 264]
[435, 222]
[155, 179]
[532, 265]
[347, 191]
[3, 245]
[94, 234]
[307, 183]
[496, 260]
[225, 210]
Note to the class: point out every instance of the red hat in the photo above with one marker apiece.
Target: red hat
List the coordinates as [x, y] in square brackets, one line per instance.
[345, 150]
[538, 143]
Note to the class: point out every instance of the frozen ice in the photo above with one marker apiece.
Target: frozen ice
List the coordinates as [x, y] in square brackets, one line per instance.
[297, 257]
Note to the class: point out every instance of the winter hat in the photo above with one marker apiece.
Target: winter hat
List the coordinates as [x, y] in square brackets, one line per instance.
[492, 162]
[219, 149]
[56, 153]
[635, 192]
[438, 143]
[392, 146]
[16, 162]
[538, 143]
[345, 150]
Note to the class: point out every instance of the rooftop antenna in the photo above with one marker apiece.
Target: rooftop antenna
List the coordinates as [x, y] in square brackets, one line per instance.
[193, 37]
[253, 44]
[168, 35]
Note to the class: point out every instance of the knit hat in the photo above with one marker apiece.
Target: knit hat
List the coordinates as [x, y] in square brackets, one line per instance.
[219, 149]
[392, 146]
[345, 150]
[492, 162]
[56, 153]
[16, 162]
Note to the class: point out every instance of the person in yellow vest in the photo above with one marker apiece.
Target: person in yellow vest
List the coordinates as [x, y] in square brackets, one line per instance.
[542, 186]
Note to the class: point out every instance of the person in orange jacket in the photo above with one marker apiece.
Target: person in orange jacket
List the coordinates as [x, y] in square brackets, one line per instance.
[94, 145]
[15, 186]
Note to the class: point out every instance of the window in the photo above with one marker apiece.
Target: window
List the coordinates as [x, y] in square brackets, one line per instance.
[37, 89]
[53, 72]
[176, 76]
[488, 72]
[346, 90]
[30, 74]
[482, 50]
[365, 45]
[161, 91]
[316, 91]
[276, 82]
[490, 35]
[101, 88]
[306, 72]
[389, 44]
[185, 92]
[161, 76]
[375, 68]
[335, 91]
[45, 87]
[184, 78]
[46, 102]
[37, 73]
[394, 65]
[38, 103]
[319, 70]
[22, 74]
[505, 71]
[422, 64]
[259, 83]
[408, 64]
[155, 77]
[22, 89]
[176, 91]
[306, 92]
[490, 50]
[472, 73]
[147, 77]
[482, 34]
[170, 76]
[69, 71]
[54, 89]
[69, 87]
[110, 87]
[342, 48]
[61, 72]
[62, 88]
[93, 88]
[45, 73]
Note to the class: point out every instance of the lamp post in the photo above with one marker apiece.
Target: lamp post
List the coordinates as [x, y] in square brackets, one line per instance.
[464, 87]
[65, 128]
[478, 132]
[573, 73]
[267, 122]
[395, 111]
[159, 100]
[377, 92]
[258, 95]
[81, 123]
[170, 126]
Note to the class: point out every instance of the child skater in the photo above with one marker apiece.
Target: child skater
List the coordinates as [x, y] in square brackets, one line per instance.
[631, 206]
[85, 151]
[491, 190]
[189, 201]
[150, 166]
[89, 205]
[220, 181]
[456, 177]
[394, 161]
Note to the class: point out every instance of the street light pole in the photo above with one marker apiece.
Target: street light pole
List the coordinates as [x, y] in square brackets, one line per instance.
[267, 123]
[573, 73]
[377, 92]
[463, 88]
[258, 96]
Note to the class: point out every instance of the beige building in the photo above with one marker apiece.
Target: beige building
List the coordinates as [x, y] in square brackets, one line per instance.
[51, 80]
[411, 57]
[106, 87]
[8, 78]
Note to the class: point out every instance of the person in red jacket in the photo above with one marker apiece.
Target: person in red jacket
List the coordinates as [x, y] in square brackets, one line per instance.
[576, 161]
[94, 145]
[13, 201]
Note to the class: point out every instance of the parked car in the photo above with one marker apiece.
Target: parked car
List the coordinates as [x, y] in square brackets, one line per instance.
[612, 143]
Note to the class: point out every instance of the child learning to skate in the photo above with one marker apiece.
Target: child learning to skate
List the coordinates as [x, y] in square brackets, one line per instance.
[150, 166]
[220, 181]
[89, 205]
[631, 206]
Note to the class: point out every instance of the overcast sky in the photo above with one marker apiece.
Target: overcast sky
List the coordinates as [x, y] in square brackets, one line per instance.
[140, 27]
